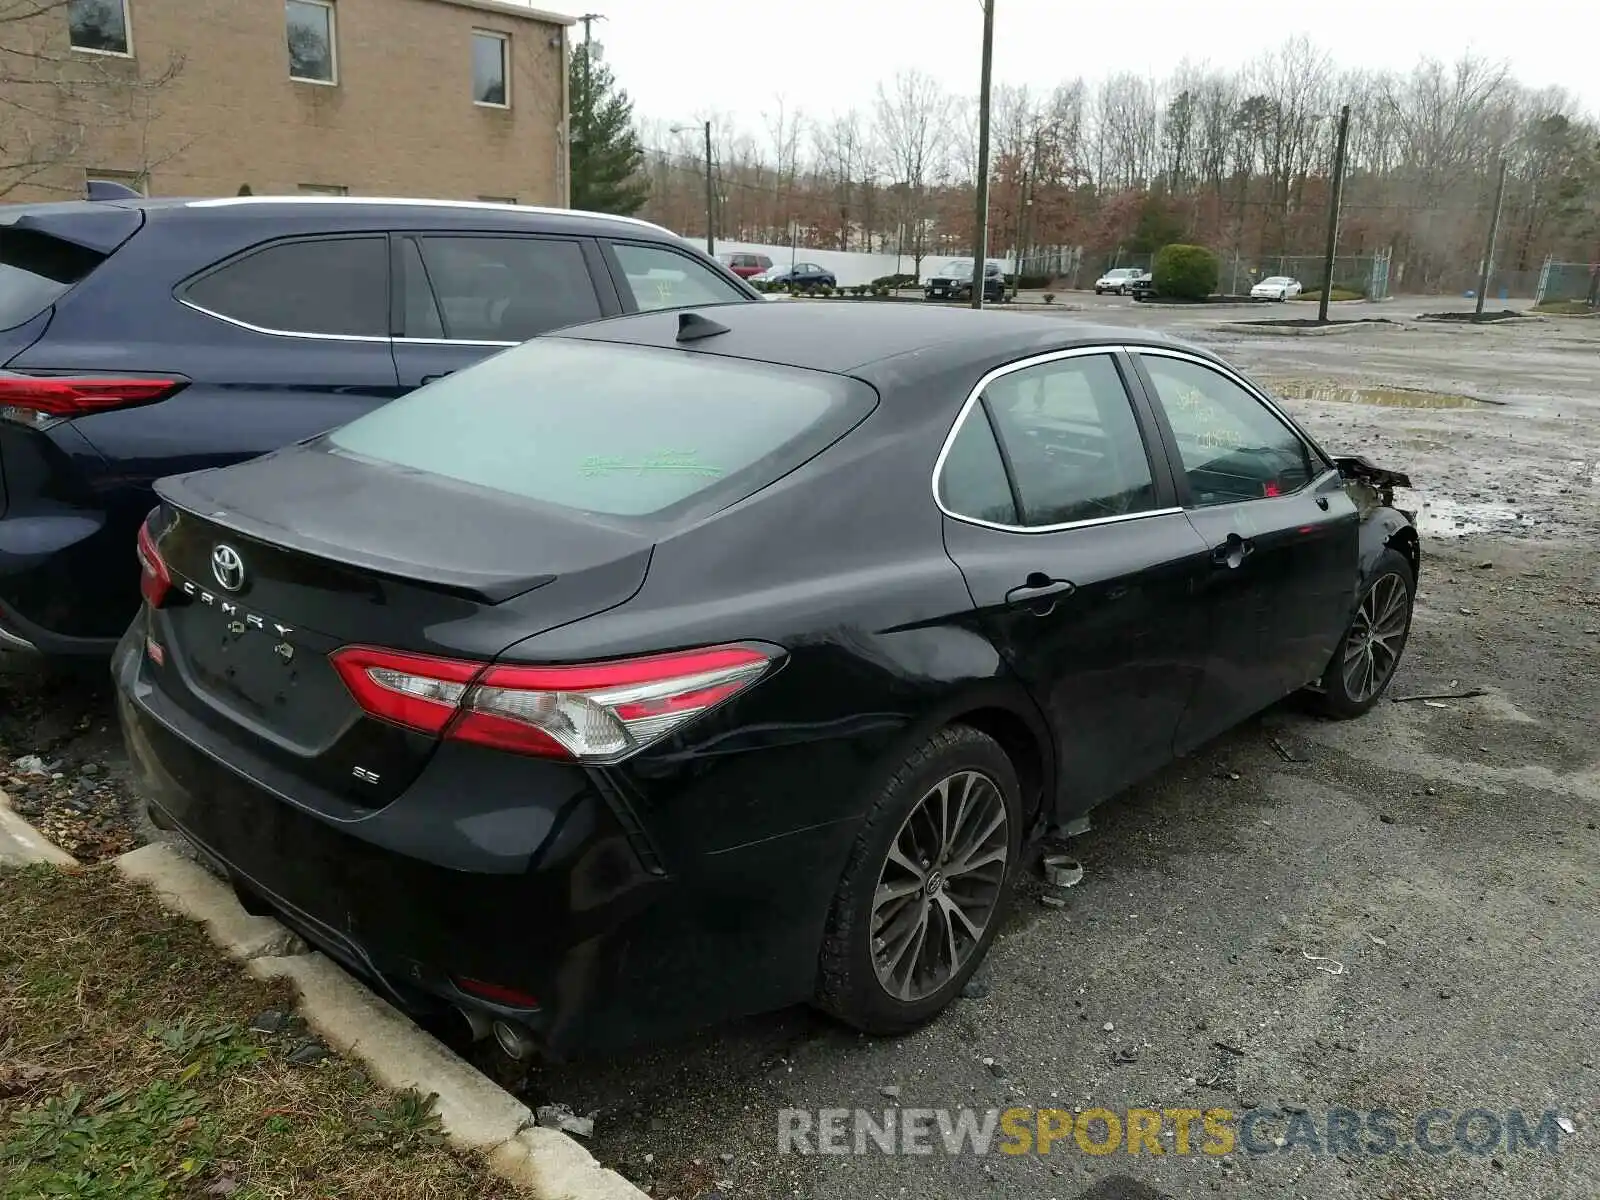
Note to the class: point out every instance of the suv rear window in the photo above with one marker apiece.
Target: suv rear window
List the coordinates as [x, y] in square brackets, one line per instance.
[36, 270]
[625, 431]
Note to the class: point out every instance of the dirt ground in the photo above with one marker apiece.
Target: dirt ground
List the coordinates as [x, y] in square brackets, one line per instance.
[1395, 913]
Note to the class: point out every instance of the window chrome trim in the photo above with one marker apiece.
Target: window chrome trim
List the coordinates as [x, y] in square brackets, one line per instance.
[423, 341]
[285, 333]
[972, 400]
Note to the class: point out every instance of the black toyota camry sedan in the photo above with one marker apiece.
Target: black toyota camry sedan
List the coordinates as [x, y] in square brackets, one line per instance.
[681, 666]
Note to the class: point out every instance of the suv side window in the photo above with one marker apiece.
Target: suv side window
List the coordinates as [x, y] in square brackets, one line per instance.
[661, 278]
[507, 289]
[328, 286]
[1233, 447]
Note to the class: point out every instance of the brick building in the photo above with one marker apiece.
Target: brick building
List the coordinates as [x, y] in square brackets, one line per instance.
[456, 99]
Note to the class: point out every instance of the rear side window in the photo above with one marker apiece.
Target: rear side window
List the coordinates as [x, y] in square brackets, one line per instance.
[36, 270]
[625, 431]
[662, 278]
[328, 286]
[508, 289]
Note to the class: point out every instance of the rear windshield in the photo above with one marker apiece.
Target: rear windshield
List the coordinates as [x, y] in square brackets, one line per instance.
[624, 431]
[36, 270]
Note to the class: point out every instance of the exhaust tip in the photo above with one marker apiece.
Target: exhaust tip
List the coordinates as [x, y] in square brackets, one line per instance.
[476, 1023]
[517, 1043]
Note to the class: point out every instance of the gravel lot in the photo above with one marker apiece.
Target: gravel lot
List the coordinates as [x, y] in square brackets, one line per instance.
[1441, 854]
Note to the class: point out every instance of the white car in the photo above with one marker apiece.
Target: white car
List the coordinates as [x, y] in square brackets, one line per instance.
[1118, 280]
[1276, 287]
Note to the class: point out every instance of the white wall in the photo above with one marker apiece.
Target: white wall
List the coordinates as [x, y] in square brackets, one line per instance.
[849, 266]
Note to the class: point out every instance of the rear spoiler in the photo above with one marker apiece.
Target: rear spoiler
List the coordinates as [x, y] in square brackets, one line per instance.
[97, 228]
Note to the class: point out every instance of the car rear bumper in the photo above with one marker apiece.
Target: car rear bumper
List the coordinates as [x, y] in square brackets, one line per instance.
[523, 873]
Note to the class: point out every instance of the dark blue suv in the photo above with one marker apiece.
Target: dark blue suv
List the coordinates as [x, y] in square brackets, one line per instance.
[142, 338]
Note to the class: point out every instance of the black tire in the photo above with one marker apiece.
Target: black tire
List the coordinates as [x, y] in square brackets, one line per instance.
[1337, 697]
[848, 985]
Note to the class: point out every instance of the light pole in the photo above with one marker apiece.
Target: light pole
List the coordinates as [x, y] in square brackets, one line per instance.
[711, 198]
[980, 257]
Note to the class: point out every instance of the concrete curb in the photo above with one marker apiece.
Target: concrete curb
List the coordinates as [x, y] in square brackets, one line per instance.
[21, 843]
[1343, 327]
[474, 1112]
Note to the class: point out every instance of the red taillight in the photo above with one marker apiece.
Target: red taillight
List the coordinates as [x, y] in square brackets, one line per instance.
[592, 712]
[498, 993]
[42, 400]
[154, 579]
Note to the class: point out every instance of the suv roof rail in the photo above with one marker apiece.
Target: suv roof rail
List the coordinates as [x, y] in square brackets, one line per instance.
[105, 189]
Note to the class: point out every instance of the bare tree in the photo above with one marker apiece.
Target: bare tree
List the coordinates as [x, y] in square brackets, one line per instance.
[52, 100]
[913, 119]
[842, 152]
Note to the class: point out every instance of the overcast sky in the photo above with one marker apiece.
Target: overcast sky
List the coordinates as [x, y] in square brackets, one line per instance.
[736, 56]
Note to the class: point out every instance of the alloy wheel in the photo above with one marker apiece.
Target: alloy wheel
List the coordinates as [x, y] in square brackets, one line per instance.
[1376, 637]
[939, 886]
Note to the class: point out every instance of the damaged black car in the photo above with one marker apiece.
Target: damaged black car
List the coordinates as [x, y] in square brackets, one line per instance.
[682, 666]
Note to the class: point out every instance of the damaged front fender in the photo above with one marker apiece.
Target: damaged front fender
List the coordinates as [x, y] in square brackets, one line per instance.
[1377, 483]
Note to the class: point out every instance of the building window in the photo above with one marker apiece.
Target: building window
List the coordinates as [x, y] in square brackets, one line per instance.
[323, 189]
[498, 199]
[100, 26]
[130, 179]
[491, 81]
[313, 49]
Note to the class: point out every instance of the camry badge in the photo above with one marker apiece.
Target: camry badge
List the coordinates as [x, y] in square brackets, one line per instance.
[227, 568]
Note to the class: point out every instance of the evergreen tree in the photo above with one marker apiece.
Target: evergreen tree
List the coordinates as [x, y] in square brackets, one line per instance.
[607, 157]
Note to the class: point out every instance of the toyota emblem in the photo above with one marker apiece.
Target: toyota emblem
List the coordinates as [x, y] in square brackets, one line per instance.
[227, 568]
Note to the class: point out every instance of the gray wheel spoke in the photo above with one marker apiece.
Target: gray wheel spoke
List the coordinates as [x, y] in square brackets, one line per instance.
[1372, 647]
[939, 884]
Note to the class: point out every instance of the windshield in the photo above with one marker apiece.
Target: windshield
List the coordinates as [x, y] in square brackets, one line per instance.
[612, 429]
[1277, 279]
[957, 267]
[36, 270]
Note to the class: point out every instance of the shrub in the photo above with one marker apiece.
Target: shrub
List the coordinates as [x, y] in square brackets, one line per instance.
[880, 290]
[893, 281]
[1185, 272]
[1049, 297]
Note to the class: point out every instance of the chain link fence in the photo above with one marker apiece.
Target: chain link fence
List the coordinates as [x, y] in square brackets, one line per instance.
[1567, 281]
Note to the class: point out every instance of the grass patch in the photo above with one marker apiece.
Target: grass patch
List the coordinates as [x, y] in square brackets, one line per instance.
[135, 1063]
[1335, 296]
[1566, 308]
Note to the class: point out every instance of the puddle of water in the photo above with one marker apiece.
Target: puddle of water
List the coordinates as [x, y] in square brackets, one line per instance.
[1440, 516]
[1381, 397]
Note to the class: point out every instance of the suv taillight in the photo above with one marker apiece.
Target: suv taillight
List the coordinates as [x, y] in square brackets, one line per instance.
[155, 581]
[594, 712]
[40, 401]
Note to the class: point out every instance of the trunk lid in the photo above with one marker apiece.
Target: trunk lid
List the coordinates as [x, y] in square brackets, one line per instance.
[278, 562]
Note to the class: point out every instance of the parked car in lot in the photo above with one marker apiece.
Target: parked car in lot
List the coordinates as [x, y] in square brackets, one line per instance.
[1119, 280]
[721, 660]
[139, 338]
[1276, 287]
[746, 265]
[801, 277]
[953, 281]
[1143, 286]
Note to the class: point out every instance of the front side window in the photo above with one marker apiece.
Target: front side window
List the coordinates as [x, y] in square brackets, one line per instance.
[490, 77]
[1068, 431]
[1233, 447]
[626, 431]
[508, 289]
[661, 278]
[313, 55]
[328, 286]
[99, 25]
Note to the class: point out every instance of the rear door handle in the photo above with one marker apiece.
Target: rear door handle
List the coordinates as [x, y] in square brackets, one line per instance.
[1039, 587]
[1233, 552]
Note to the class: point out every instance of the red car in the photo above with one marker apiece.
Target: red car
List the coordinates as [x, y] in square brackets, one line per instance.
[745, 265]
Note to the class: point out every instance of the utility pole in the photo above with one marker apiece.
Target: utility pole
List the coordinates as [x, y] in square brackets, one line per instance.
[588, 20]
[980, 249]
[711, 204]
[1333, 215]
[1494, 233]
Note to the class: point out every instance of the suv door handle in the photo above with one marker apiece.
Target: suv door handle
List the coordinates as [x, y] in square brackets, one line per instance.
[1233, 552]
[1039, 586]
